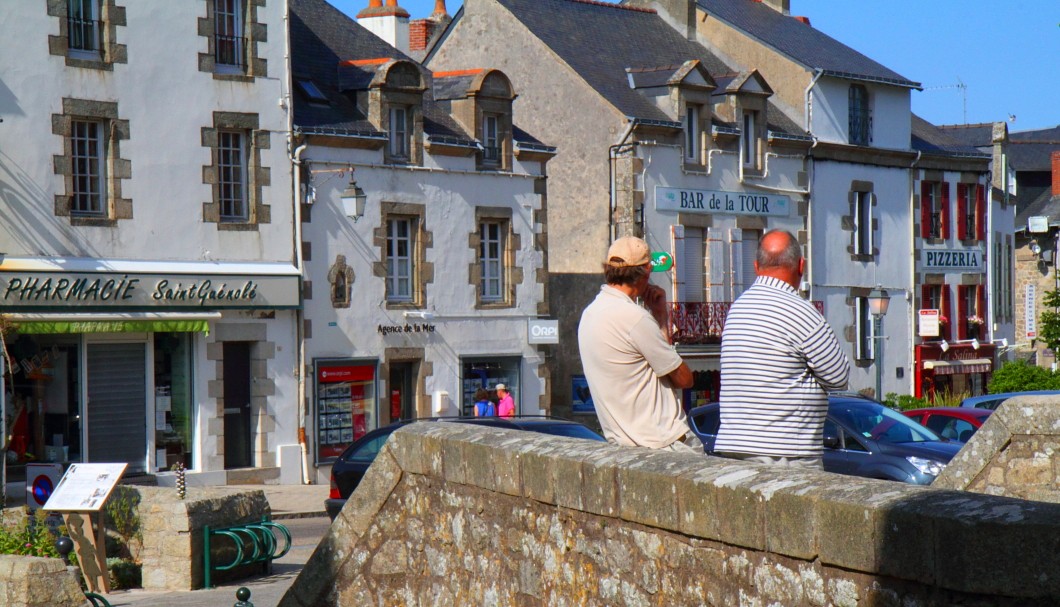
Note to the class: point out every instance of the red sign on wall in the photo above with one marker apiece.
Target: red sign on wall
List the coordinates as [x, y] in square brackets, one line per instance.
[330, 375]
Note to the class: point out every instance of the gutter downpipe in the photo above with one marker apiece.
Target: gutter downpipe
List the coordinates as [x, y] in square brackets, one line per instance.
[296, 168]
[913, 303]
[808, 109]
[612, 156]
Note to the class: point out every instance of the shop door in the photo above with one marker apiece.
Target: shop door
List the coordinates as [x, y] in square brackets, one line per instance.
[237, 404]
[402, 397]
[116, 411]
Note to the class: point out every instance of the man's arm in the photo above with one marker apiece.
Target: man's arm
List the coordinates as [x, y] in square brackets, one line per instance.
[680, 377]
[825, 357]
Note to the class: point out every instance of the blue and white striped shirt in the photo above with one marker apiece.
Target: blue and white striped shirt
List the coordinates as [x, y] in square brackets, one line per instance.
[779, 358]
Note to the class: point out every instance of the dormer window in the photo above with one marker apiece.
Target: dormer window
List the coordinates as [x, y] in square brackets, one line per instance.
[860, 116]
[749, 149]
[399, 132]
[692, 134]
[491, 143]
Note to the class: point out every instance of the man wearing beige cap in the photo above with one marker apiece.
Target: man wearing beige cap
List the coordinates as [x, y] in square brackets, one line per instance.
[505, 402]
[632, 370]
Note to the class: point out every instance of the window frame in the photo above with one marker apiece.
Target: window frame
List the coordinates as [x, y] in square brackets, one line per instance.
[393, 240]
[864, 218]
[491, 140]
[864, 330]
[233, 176]
[859, 116]
[399, 142]
[749, 143]
[693, 154]
[229, 27]
[934, 210]
[76, 20]
[936, 296]
[497, 259]
[88, 202]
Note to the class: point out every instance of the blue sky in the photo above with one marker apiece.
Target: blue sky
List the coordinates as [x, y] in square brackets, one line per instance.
[1005, 52]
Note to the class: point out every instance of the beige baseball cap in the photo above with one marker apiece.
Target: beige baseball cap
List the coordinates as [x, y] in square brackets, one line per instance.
[502, 387]
[628, 251]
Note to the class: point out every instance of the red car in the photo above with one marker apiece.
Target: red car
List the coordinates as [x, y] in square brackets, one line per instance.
[954, 423]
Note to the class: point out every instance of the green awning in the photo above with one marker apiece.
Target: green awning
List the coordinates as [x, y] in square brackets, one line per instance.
[112, 326]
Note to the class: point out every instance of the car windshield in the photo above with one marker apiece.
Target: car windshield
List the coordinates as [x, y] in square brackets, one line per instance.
[366, 451]
[877, 422]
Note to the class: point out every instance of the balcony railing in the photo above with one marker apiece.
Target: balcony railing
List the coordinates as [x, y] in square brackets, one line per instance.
[231, 51]
[491, 153]
[696, 323]
[85, 34]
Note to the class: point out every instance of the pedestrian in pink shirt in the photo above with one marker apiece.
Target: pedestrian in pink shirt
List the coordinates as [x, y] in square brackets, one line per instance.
[506, 404]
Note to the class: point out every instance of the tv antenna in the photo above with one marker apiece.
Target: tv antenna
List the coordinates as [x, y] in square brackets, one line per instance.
[962, 87]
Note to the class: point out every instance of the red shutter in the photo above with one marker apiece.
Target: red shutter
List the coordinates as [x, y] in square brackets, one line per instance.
[925, 209]
[962, 312]
[945, 213]
[980, 299]
[962, 214]
[925, 297]
[944, 333]
[980, 212]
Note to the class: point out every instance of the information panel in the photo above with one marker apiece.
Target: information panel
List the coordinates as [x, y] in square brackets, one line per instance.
[85, 487]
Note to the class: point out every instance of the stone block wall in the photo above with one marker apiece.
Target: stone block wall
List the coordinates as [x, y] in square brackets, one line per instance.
[461, 515]
[173, 530]
[1013, 454]
[30, 581]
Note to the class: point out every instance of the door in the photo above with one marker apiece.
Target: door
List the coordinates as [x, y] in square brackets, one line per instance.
[402, 385]
[116, 411]
[236, 378]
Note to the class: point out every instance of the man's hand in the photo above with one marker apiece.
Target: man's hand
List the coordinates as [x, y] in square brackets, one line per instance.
[655, 302]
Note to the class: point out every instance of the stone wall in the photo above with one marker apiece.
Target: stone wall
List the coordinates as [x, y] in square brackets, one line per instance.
[29, 581]
[461, 515]
[1013, 454]
[172, 530]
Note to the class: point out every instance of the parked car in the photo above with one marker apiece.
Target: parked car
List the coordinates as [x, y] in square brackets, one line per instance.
[993, 401]
[351, 465]
[954, 423]
[861, 438]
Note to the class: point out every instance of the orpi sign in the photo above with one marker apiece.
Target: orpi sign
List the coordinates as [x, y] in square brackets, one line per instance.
[542, 331]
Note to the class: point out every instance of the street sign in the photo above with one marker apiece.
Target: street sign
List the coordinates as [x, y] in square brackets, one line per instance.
[40, 482]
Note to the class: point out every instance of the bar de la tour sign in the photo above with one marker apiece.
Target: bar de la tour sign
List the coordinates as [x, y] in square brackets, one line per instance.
[680, 200]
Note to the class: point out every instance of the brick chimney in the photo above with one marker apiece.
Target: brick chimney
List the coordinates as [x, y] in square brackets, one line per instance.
[422, 31]
[390, 22]
[1056, 172]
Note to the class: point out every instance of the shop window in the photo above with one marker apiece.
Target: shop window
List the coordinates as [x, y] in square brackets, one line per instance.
[43, 399]
[486, 373]
[91, 164]
[934, 210]
[174, 401]
[234, 33]
[236, 175]
[971, 212]
[859, 115]
[345, 404]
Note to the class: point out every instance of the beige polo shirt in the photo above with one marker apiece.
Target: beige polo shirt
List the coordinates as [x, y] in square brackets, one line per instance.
[625, 358]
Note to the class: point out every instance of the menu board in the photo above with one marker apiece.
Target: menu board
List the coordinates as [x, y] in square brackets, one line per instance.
[85, 487]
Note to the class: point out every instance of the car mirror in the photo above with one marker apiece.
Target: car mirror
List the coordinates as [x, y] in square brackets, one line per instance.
[831, 441]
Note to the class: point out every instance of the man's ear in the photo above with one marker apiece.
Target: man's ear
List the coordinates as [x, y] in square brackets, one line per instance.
[802, 266]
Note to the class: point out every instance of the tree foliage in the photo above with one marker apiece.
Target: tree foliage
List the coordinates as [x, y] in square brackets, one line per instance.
[1020, 376]
[1049, 322]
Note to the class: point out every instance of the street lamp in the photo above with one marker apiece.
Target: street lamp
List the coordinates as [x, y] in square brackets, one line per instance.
[353, 199]
[879, 300]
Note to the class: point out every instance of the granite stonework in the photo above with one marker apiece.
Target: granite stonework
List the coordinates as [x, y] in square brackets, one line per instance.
[30, 581]
[465, 515]
[173, 530]
[1014, 454]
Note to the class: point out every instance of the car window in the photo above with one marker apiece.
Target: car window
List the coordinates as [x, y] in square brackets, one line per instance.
[876, 422]
[942, 425]
[850, 443]
[366, 452]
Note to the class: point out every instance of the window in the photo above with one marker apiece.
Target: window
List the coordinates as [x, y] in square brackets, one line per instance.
[491, 256]
[692, 134]
[934, 210]
[87, 151]
[232, 176]
[937, 297]
[749, 148]
[399, 133]
[491, 152]
[971, 220]
[229, 43]
[400, 242]
[1007, 279]
[970, 312]
[865, 330]
[860, 117]
[83, 25]
[864, 240]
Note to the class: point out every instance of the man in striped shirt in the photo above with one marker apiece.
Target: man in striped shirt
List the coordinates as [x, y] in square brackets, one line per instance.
[779, 359]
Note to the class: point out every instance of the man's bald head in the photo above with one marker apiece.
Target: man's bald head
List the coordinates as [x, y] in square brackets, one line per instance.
[780, 256]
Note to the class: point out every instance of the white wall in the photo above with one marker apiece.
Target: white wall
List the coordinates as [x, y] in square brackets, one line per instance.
[890, 113]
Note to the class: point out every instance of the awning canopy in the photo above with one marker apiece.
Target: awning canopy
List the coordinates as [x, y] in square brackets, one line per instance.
[957, 367]
[156, 322]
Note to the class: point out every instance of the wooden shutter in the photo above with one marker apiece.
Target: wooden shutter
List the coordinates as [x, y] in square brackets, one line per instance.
[980, 211]
[694, 265]
[925, 209]
[962, 311]
[962, 215]
[944, 194]
[944, 310]
[980, 304]
[715, 265]
[736, 262]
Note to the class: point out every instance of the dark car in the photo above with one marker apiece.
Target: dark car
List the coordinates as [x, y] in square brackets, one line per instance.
[861, 438]
[993, 401]
[954, 423]
[349, 468]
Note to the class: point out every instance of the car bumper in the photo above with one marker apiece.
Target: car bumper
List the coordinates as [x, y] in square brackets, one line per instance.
[333, 506]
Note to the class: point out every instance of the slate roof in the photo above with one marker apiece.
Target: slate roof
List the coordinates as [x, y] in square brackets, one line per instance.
[321, 38]
[1032, 150]
[976, 135]
[801, 42]
[599, 41]
[927, 137]
[1046, 204]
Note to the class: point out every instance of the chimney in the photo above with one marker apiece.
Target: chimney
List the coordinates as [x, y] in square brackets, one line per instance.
[390, 22]
[439, 10]
[1056, 173]
[781, 6]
